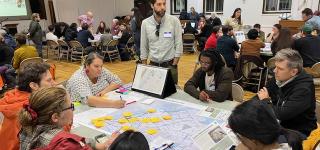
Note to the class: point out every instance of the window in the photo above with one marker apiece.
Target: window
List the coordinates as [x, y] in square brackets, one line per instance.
[213, 6]
[177, 6]
[277, 6]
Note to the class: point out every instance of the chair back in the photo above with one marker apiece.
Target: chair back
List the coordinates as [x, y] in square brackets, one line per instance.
[113, 43]
[75, 44]
[188, 37]
[52, 44]
[30, 60]
[271, 63]
[63, 43]
[237, 92]
[316, 67]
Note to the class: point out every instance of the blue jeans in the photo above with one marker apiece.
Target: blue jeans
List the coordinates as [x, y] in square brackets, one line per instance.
[38, 47]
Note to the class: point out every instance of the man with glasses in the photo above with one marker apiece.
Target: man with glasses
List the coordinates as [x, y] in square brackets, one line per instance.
[213, 81]
[31, 78]
[161, 39]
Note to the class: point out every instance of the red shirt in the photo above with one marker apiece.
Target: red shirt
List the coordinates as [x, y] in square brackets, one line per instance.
[211, 42]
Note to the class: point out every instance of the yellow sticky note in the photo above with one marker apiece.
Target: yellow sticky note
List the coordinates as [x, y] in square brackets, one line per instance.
[123, 120]
[167, 117]
[155, 119]
[151, 110]
[145, 120]
[97, 120]
[152, 131]
[107, 117]
[126, 128]
[99, 124]
[133, 120]
[127, 114]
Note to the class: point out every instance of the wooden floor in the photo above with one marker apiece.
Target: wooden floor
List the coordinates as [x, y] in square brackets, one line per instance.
[125, 70]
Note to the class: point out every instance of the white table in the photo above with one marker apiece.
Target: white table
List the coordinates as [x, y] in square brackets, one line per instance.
[181, 95]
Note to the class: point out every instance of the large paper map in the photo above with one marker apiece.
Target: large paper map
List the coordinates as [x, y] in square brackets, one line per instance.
[184, 121]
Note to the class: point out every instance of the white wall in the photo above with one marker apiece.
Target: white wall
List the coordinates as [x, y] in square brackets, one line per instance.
[252, 11]
[123, 7]
[103, 10]
[23, 25]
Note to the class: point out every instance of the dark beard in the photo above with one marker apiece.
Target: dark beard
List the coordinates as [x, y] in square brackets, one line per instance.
[158, 13]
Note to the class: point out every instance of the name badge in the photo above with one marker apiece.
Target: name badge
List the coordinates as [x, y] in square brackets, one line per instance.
[167, 34]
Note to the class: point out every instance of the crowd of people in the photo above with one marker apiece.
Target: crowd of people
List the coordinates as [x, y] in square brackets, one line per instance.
[38, 113]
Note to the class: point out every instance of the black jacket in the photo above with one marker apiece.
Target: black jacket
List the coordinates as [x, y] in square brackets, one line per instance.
[71, 34]
[223, 83]
[83, 36]
[227, 46]
[309, 49]
[294, 103]
[6, 54]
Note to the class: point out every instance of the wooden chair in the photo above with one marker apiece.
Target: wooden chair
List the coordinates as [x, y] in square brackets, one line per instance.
[30, 60]
[77, 50]
[237, 92]
[53, 46]
[189, 43]
[316, 68]
[112, 50]
[269, 71]
[64, 49]
[130, 48]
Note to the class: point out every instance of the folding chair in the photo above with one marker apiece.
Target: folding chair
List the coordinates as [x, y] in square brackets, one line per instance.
[249, 71]
[112, 50]
[54, 46]
[77, 51]
[237, 92]
[30, 60]
[64, 49]
[189, 43]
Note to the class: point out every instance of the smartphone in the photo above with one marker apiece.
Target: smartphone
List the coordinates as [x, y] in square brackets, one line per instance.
[101, 138]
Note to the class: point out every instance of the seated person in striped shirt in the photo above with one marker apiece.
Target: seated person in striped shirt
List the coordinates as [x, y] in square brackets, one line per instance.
[92, 81]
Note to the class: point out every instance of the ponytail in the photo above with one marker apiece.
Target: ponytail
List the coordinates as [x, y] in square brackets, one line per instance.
[293, 137]
[26, 120]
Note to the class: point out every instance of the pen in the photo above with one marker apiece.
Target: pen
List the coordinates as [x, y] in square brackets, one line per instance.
[130, 102]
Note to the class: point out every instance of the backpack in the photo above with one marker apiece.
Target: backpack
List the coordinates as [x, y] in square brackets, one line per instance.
[66, 141]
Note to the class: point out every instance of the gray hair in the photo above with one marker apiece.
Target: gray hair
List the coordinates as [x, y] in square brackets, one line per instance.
[92, 56]
[292, 56]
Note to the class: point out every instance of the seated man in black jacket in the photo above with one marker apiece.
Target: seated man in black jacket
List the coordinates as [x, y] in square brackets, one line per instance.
[83, 37]
[6, 69]
[291, 93]
[308, 46]
[213, 79]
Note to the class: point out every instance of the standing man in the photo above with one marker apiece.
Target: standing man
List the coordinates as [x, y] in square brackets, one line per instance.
[161, 39]
[35, 32]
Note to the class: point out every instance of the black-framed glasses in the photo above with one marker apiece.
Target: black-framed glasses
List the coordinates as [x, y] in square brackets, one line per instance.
[158, 28]
[71, 107]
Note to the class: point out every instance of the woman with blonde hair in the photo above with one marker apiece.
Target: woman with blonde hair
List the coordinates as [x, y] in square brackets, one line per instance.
[44, 119]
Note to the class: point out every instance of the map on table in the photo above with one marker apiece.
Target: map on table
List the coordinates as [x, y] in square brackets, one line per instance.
[169, 120]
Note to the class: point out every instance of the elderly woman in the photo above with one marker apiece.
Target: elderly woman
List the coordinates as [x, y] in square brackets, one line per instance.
[92, 81]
